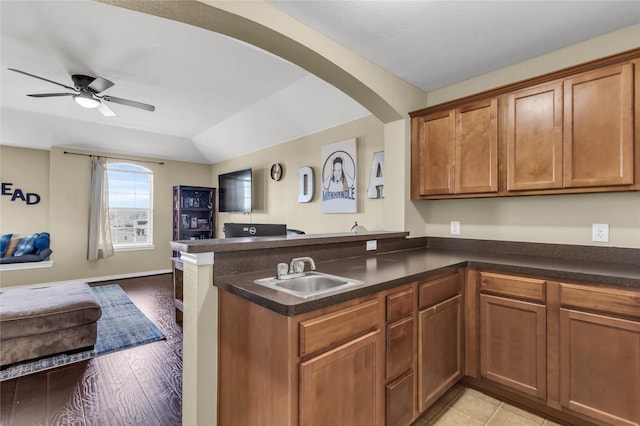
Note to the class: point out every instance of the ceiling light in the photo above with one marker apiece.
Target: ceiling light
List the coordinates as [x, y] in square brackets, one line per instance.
[86, 100]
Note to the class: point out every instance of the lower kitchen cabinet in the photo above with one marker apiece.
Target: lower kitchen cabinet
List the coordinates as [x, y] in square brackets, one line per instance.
[324, 367]
[400, 348]
[440, 350]
[440, 343]
[600, 354]
[513, 350]
[340, 387]
[341, 366]
[513, 344]
[567, 349]
[400, 405]
[400, 400]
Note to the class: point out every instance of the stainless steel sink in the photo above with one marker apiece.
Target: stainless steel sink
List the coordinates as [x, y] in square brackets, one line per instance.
[308, 284]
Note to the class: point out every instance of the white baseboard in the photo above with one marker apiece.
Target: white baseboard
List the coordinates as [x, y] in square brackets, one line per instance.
[123, 276]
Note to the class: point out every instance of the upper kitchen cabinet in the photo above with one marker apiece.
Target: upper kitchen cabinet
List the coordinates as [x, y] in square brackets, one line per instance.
[571, 131]
[432, 154]
[598, 127]
[455, 151]
[534, 138]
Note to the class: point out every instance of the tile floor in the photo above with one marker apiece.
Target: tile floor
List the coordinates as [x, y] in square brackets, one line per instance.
[468, 407]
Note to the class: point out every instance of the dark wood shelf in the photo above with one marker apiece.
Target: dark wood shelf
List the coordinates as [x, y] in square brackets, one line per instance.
[187, 202]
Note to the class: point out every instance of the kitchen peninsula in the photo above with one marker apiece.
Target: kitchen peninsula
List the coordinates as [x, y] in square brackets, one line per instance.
[280, 353]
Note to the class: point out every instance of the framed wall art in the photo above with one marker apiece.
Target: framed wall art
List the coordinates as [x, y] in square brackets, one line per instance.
[339, 173]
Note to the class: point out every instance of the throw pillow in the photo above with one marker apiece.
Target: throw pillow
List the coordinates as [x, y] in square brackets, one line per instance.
[13, 243]
[4, 243]
[26, 245]
[43, 241]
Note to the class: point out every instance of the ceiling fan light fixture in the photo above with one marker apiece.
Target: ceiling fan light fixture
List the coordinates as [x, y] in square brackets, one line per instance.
[86, 100]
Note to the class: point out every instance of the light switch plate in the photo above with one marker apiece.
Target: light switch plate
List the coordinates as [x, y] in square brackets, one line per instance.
[455, 227]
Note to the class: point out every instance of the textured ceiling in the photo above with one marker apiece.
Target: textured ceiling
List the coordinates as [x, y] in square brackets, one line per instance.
[433, 44]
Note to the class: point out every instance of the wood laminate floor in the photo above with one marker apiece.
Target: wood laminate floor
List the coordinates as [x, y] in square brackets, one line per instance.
[137, 386]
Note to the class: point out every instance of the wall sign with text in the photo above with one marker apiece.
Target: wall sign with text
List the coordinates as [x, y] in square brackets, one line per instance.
[17, 194]
[339, 172]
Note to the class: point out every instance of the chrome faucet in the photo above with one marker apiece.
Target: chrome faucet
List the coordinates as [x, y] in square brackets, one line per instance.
[297, 265]
[296, 269]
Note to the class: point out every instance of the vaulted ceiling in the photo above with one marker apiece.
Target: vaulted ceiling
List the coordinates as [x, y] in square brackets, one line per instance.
[217, 98]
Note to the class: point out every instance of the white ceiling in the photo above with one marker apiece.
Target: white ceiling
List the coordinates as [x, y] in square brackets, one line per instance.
[217, 98]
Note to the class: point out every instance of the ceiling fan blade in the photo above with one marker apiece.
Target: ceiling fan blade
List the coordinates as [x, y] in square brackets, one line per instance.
[129, 103]
[50, 95]
[105, 110]
[41, 78]
[100, 84]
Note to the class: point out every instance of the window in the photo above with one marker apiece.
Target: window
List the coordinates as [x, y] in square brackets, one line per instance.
[130, 206]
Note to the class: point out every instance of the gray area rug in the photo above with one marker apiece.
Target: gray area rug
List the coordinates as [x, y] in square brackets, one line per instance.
[121, 326]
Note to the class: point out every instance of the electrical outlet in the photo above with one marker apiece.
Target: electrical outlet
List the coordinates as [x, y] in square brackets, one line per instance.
[372, 245]
[600, 232]
[455, 227]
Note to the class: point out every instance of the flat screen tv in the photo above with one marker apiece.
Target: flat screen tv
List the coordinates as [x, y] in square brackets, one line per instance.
[234, 191]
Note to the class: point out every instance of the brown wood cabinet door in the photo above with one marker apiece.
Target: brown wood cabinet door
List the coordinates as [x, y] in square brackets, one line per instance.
[400, 347]
[178, 285]
[598, 127]
[435, 151]
[321, 333]
[476, 148]
[439, 350]
[534, 138]
[400, 401]
[513, 344]
[343, 386]
[600, 367]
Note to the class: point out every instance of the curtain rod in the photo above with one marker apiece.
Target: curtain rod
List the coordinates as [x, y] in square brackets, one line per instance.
[114, 158]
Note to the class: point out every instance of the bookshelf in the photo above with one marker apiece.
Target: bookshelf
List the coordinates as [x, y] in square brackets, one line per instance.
[193, 213]
[193, 219]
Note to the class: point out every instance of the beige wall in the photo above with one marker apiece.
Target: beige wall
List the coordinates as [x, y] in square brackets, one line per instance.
[561, 219]
[65, 219]
[564, 219]
[277, 202]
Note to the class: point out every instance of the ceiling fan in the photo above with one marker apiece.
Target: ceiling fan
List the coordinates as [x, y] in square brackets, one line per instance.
[86, 93]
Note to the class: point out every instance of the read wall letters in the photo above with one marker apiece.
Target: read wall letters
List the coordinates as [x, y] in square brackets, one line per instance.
[18, 194]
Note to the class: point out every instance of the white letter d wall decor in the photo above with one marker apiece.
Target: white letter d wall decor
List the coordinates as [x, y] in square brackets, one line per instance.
[307, 183]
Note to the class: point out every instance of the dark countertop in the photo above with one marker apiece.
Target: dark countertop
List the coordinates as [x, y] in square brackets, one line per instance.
[261, 243]
[387, 270]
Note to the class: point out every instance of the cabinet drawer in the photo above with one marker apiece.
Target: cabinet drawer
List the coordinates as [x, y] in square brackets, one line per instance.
[603, 299]
[439, 290]
[338, 327]
[399, 347]
[399, 304]
[509, 285]
[400, 401]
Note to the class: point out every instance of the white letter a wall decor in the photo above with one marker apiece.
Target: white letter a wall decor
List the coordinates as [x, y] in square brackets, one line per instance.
[376, 178]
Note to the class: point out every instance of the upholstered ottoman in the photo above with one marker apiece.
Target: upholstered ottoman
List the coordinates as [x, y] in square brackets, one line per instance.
[40, 321]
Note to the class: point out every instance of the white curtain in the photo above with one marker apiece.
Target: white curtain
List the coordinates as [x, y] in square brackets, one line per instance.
[100, 243]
